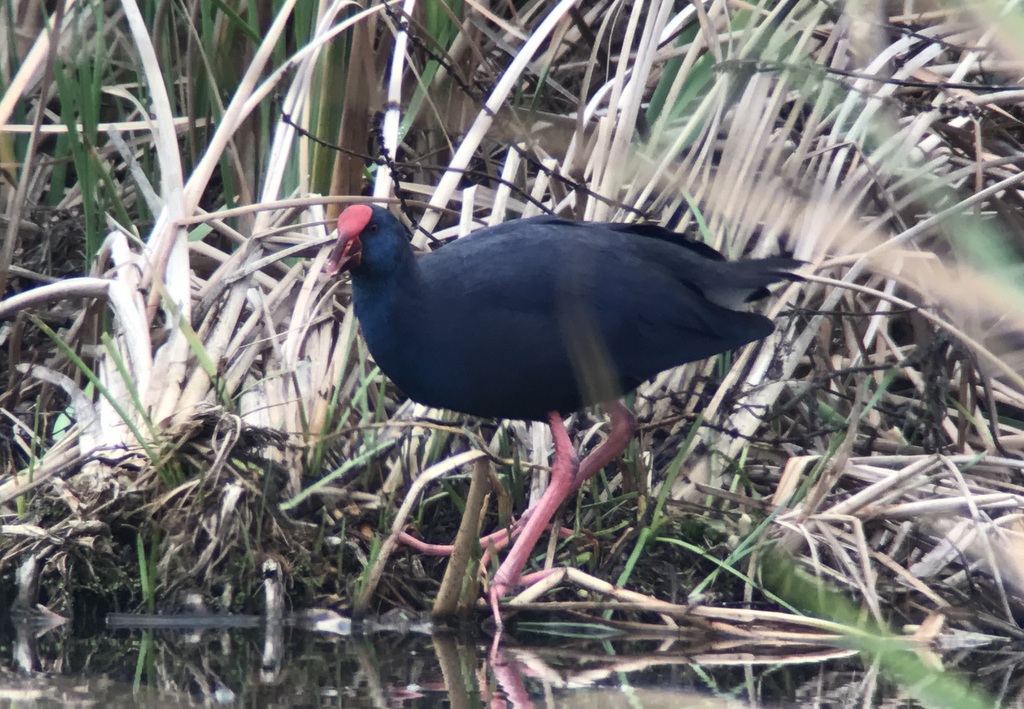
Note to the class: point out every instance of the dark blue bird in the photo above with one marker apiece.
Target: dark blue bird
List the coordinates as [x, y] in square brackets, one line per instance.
[536, 318]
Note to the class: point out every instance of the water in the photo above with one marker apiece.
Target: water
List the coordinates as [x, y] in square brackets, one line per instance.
[292, 667]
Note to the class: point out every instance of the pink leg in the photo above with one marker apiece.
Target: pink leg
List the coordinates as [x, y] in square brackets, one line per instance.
[567, 476]
[493, 542]
[623, 427]
[563, 475]
[496, 540]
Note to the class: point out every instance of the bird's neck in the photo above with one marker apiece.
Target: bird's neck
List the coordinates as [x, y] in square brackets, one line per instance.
[377, 293]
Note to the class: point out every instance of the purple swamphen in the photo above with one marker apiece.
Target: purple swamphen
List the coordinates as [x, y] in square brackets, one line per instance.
[536, 318]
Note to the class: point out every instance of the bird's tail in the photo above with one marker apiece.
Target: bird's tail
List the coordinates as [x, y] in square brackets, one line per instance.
[749, 280]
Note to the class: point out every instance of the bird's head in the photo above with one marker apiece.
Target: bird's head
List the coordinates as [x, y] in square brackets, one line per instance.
[369, 239]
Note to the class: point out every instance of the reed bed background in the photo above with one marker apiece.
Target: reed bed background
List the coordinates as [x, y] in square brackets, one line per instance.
[187, 394]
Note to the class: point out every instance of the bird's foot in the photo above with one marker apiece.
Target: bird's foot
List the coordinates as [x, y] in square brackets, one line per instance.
[505, 581]
[495, 541]
[494, 594]
[425, 547]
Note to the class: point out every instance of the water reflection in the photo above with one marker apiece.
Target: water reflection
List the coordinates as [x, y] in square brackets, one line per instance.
[297, 664]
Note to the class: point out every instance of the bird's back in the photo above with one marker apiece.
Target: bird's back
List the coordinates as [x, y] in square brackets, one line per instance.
[544, 315]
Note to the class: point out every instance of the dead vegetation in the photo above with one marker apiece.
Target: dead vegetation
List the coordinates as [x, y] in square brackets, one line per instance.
[198, 398]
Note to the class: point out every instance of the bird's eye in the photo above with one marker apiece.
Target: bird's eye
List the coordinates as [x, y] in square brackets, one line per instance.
[373, 228]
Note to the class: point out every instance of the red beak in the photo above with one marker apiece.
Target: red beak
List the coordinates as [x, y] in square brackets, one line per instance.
[348, 252]
[346, 255]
